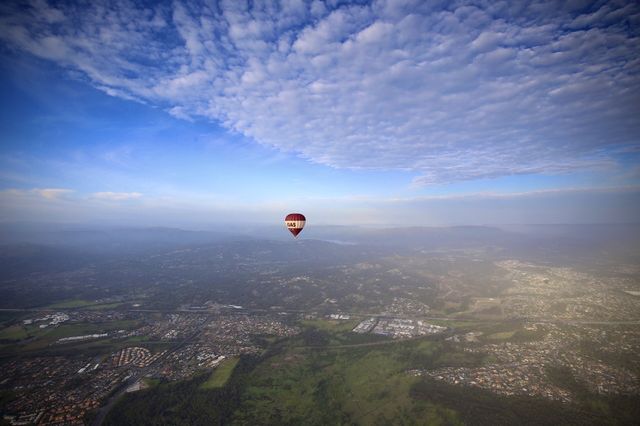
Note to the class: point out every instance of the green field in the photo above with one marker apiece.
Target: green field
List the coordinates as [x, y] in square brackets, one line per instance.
[104, 306]
[73, 303]
[150, 383]
[504, 335]
[331, 325]
[84, 304]
[221, 374]
[67, 330]
[45, 337]
[8, 317]
[512, 332]
[14, 332]
[460, 324]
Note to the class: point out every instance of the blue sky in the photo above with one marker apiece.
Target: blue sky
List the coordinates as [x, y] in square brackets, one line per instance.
[384, 112]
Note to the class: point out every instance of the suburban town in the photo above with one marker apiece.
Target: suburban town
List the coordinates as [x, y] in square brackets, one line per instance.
[523, 368]
[61, 390]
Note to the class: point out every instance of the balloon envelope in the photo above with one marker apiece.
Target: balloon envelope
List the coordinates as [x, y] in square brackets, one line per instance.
[295, 222]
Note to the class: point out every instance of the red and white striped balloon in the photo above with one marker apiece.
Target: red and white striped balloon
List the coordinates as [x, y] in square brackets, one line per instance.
[295, 222]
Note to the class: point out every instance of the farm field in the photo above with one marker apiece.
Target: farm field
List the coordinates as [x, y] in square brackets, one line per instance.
[221, 374]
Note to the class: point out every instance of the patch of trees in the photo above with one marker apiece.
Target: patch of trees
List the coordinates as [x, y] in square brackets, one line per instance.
[563, 377]
[313, 336]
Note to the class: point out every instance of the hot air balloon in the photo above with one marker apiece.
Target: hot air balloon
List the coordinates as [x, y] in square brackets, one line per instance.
[295, 223]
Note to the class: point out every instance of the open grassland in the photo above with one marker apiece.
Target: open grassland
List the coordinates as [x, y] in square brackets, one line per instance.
[104, 306]
[459, 324]
[221, 374]
[72, 303]
[85, 304]
[67, 330]
[331, 325]
[510, 332]
[505, 335]
[9, 317]
[14, 332]
[35, 338]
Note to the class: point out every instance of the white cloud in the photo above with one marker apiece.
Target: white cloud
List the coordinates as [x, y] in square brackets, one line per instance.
[453, 93]
[51, 193]
[117, 196]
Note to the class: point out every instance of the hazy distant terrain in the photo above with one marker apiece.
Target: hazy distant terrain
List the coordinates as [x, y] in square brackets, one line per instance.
[335, 262]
